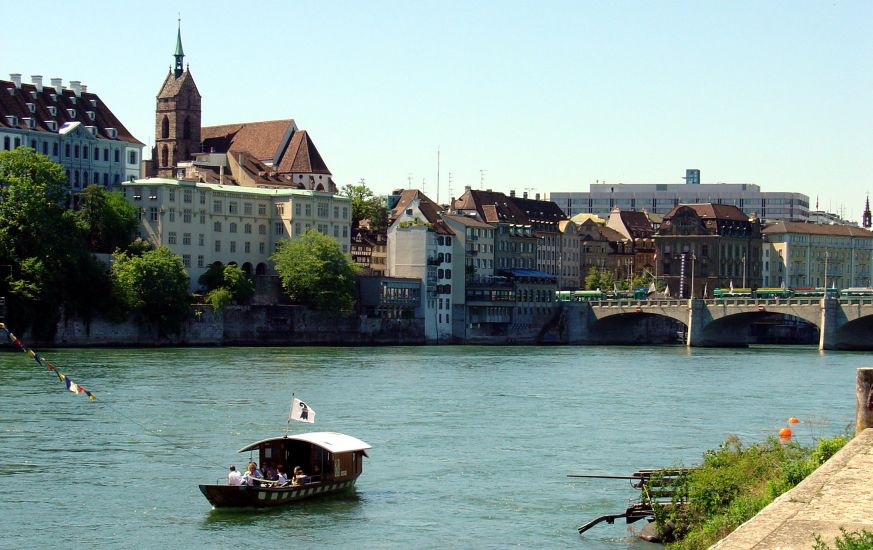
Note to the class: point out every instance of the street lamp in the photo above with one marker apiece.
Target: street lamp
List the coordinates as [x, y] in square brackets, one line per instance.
[826, 274]
[744, 271]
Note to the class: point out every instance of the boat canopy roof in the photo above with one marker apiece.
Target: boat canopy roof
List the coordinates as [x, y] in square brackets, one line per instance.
[331, 441]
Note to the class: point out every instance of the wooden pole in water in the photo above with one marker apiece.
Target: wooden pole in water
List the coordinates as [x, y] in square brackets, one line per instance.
[864, 400]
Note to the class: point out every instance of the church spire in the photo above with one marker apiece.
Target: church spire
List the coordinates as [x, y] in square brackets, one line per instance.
[179, 55]
[867, 217]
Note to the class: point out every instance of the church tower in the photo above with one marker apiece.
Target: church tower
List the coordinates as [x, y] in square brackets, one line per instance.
[177, 117]
[866, 220]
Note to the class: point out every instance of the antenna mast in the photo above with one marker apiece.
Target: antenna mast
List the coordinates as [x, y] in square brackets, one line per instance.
[438, 176]
[482, 178]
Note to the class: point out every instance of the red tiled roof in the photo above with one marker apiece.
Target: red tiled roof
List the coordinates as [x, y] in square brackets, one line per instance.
[172, 85]
[611, 234]
[15, 104]
[637, 223]
[505, 211]
[817, 229]
[708, 210]
[301, 156]
[261, 139]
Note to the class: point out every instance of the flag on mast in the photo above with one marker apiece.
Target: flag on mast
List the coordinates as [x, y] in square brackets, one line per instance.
[301, 412]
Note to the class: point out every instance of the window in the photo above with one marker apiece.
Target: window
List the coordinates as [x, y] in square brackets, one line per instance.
[131, 157]
[186, 215]
[217, 206]
[262, 229]
[186, 239]
[278, 230]
[117, 155]
[172, 195]
[308, 209]
[187, 196]
[55, 149]
[336, 231]
[201, 261]
[247, 208]
[232, 246]
[153, 213]
[106, 154]
[45, 148]
[203, 198]
[345, 212]
[297, 209]
[296, 228]
[247, 228]
[202, 218]
[171, 238]
[232, 207]
[336, 211]
[84, 151]
[247, 247]
[216, 227]
[218, 246]
[75, 151]
[200, 239]
[262, 210]
[345, 231]
[322, 210]
[232, 228]
[165, 127]
[186, 260]
[261, 247]
[172, 215]
[67, 150]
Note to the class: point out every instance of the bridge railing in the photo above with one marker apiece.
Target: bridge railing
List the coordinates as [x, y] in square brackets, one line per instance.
[752, 302]
[857, 300]
[637, 303]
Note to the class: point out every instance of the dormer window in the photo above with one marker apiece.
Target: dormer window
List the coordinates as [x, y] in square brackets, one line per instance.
[112, 133]
[91, 115]
[12, 120]
[73, 99]
[92, 129]
[33, 94]
[51, 125]
[54, 98]
[29, 122]
[72, 113]
[93, 102]
[31, 107]
[53, 110]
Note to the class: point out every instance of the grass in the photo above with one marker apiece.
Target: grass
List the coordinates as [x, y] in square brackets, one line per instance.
[734, 483]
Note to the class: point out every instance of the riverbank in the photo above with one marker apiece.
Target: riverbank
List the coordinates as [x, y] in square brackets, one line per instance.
[838, 495]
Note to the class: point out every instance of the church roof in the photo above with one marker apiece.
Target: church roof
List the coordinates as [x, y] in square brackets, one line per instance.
[173, 85]
[302, 156]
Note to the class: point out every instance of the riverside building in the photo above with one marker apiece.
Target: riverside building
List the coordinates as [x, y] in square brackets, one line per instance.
[661, 198]
[205, 223]
[72, 127]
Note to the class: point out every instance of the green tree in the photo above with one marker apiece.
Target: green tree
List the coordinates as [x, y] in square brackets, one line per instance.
[366, 206]
[315, 272]
[107, 219]
[154, 286]
[213, 277]
[592, 279]
[46, 262]
[226, 285]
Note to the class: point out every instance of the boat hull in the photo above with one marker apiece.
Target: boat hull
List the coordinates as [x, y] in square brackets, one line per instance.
[241, 496]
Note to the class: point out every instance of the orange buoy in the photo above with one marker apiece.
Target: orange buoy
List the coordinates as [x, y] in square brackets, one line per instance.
[785, 433]
[793, 420]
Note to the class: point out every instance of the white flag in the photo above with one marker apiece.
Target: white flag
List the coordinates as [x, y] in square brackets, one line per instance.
[301, 412]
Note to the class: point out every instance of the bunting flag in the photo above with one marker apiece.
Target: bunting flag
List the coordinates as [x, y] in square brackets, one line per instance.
[68, 382]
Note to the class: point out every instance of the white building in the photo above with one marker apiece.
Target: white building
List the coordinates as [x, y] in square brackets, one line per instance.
[205, 223]
[72, 127]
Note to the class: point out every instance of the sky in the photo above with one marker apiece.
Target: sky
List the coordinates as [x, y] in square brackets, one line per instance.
[512, 95]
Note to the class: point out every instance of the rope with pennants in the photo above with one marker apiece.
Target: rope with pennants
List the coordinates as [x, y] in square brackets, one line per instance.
[72, 386]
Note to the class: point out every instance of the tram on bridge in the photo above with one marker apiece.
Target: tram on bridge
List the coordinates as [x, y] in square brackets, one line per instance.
[596, 295]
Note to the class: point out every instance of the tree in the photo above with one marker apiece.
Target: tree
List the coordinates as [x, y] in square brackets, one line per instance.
[107, 218]
[315, 272]
[47, 264]
[226, 285]
[366, 206]
[154, 286]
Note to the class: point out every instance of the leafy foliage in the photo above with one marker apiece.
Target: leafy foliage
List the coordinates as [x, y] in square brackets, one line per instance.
[854, 540]
[366, 206]
[153, 285]
[734, 483]
[315, 272]
[219, 298]
[226, 284]
[107, 219]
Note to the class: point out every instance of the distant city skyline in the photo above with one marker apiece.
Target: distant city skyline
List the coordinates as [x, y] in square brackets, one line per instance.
[543, 97]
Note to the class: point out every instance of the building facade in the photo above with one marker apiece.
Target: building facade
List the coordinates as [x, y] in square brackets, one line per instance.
[804, 255]
[701, 247]
[72, 127]
[207, 223]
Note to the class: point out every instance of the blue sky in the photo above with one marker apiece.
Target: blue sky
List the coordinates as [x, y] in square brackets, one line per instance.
[544, 96]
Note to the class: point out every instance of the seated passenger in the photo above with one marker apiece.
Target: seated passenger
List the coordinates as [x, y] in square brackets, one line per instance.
[269, 471]
[248, 478]
[233, 478]
[299, 478]
[281, 478]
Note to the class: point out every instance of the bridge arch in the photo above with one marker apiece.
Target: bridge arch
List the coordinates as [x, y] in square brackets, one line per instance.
[637, 327]
[760, 326]
[856, 334]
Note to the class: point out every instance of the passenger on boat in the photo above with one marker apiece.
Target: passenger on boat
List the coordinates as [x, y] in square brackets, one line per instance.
[281, 478]
[233, 478]
[269, 471]
[299, 478]
[252, 474]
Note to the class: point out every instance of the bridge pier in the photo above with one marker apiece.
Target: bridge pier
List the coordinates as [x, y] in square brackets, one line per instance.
[698, 318]
[828, 326]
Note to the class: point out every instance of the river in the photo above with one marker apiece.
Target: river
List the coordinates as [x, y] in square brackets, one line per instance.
[471, 445]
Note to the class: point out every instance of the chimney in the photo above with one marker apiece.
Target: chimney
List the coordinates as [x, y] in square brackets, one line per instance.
[36, 80]
[466, 188]
[16, 78]
[84, 88]
[537, 196]
[76, 86]
[524, 195]
[58, 84]
[512, 192]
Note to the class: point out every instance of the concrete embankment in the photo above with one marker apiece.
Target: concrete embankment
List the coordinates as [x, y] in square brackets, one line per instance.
[838, 494]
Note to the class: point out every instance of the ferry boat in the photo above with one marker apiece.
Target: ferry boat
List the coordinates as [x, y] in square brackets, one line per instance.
[333, 461]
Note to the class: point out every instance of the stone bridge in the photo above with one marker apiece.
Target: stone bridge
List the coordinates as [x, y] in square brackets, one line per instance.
[845, 323]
